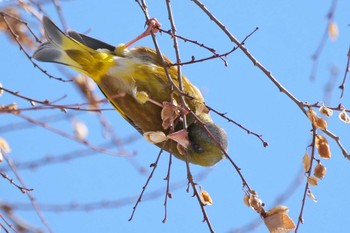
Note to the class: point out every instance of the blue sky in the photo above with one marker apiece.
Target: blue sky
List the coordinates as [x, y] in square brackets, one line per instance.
[288, 35]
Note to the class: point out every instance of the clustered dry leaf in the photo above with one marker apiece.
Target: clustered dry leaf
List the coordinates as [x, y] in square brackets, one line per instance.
[252, 200]
[170, 112]
[322, 146]
[318, 122]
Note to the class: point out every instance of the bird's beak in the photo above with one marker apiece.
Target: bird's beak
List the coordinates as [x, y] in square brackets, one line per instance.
[181, 137]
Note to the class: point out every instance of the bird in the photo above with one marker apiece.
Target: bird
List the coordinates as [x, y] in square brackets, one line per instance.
[136, 84]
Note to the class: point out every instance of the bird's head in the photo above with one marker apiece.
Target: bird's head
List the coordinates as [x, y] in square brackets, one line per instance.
[198, 145]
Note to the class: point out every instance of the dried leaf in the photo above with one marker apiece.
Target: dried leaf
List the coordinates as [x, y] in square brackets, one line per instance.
[311, 196]
[333, 31]
[320, 140]
[324, 151]
[155, 136]
[256, 203]
[277, 220]
[169, 113]
[320, 171]
[343, 116]
[205, 198]
[4, 146]
[313, 181]
[246, 200]
[306, 162]
[326, 111]
[80, 130]
[311, 114]
[320, 123]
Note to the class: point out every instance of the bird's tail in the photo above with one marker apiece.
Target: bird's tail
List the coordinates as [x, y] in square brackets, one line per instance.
[63, 49]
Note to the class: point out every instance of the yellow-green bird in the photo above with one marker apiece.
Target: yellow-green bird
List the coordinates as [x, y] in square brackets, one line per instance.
[135, 82]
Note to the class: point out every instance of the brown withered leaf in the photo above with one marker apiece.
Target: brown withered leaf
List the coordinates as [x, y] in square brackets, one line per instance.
[320, 123]
[246, 200]
[306, 162]
[320, 171]
[324, 151]
[277, 220]
[344, 117]
[169, 113]
[256, 203]
[313, 181]
[320, 140]
[205, 198]
[326, 111]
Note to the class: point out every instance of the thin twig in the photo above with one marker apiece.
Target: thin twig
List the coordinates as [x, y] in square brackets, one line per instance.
[30, 196]
[316, 55]
[154, 166]
[308, 174]
[21, 48]
[22, 189]
[167, 191]
[69, 136]
[347, 70]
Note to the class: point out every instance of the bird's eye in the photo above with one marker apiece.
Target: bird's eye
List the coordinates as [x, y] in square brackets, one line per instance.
[197, 148]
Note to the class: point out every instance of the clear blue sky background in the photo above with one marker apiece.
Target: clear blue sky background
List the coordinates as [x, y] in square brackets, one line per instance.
[288, 36]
